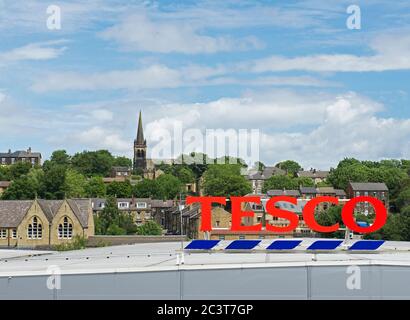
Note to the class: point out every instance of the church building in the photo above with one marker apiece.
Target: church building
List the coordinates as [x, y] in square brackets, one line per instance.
[141, 165]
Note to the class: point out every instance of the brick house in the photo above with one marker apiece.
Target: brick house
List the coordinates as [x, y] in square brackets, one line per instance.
[377, 190]
[9, 158]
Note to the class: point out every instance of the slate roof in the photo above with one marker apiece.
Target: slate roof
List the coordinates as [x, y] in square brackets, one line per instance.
[12, 212]
[340, 192]
[313, 174]
[326, 190]
[81, 209]
[291, 193]
[369, 186]
[20, 154]
[308, 190]
[50, 207]
[267, 173]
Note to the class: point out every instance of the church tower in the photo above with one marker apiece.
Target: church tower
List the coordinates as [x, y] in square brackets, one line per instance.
[140, 149]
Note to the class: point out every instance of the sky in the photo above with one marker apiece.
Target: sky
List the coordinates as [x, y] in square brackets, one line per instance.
[317, 90]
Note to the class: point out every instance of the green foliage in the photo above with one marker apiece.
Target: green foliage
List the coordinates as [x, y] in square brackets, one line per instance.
[115, 230]
[95, 188]
[91, 163]
[5, 173]
[19, 169]
[22, 188]
[76, 244]
[279, 182]
[290, 166]
[170, 186]
[184, 174]
[403, 199]
[330, 217]
[52, 184]
[111, 221]
[225, 180]
[74, 184]
[60, 157]
[397, 228]
[150, 228]
[122, 162]
[120, 189]
[147, 189]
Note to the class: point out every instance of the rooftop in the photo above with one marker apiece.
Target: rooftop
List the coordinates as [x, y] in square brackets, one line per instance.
[162, 256]
[369, 186]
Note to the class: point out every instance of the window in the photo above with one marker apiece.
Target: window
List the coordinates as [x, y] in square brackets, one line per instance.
[14, 233]
[217, 223]
[123, 205]
[141, 205]
[357, 194]
[35, 229]
[3, 233]
[221, 237]
[241, 237]
[65, 229]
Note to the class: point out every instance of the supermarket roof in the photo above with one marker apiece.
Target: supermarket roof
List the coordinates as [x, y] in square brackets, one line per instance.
[163, 256]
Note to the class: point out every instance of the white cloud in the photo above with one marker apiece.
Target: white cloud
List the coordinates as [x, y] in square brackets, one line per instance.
[158, 76]
[391, 52]
[33, 51]
[101, 138]
[137, 32]
[316, 130]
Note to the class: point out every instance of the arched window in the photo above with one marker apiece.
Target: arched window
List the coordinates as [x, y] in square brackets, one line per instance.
[35, 229]
[65, 229]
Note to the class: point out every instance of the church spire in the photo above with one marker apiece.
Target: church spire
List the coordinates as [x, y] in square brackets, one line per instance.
[140, 134]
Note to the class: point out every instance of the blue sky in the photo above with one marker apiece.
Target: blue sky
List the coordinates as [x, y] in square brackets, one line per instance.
[317, 90]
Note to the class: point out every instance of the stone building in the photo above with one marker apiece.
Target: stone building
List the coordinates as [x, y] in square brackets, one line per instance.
[372, 189]
[140, 209]
[9, 158]
[44, 223]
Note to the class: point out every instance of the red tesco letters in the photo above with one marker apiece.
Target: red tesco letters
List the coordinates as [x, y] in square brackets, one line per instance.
[292, 217]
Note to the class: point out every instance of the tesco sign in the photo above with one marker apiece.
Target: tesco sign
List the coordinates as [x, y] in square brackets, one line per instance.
[293, 218]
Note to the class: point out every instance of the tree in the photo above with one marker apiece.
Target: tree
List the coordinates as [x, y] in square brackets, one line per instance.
[305, 181]
[60, 157]
[169, 185]
[19, 169]
[108, 216]
[184, 174]
[122, 162]
[150, 228]
[95, 188]
[403, 198]
[22, 188]
[52, 184]
[5, 173]
[290, 166]
[280, 183]
[147, 189]
[348, 170]
[397, 228]
[330, 217]
[120, 189]
[93, 163]
[74, 184]
[225, 180]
